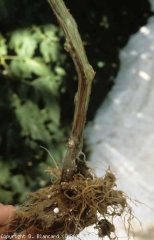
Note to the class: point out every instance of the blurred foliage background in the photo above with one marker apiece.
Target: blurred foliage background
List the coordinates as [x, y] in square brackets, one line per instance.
[38, 81]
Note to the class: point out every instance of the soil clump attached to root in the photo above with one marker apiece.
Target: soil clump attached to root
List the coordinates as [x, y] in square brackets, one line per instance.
[68, 207]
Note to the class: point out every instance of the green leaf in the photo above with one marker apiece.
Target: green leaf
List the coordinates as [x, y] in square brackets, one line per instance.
[18, 183]
[50, 51]
[19, 69]
[23, 195]
[60, 71]
[4, 174]
[50, 31]
[50, 46]
[48, 88]
[56, 155]
[37, 66]
[15, 100]
[23, 42]
[30, 119]
[6, 196]
[3, 46]
[24, 67]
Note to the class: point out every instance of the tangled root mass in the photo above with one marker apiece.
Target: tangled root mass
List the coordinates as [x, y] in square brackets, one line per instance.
[68, 207]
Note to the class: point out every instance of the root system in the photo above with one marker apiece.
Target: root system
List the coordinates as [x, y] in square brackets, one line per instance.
[68, 207]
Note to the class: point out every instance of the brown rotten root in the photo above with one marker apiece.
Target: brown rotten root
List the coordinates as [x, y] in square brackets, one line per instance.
[68, 207]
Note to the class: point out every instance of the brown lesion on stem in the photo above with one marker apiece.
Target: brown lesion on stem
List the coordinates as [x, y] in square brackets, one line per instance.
[73, 45]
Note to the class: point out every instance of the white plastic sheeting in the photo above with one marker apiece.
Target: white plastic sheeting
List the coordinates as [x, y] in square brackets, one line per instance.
[152, 4]
[122, 134]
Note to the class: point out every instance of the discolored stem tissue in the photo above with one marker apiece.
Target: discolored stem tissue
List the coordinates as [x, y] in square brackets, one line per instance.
[73, 45]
